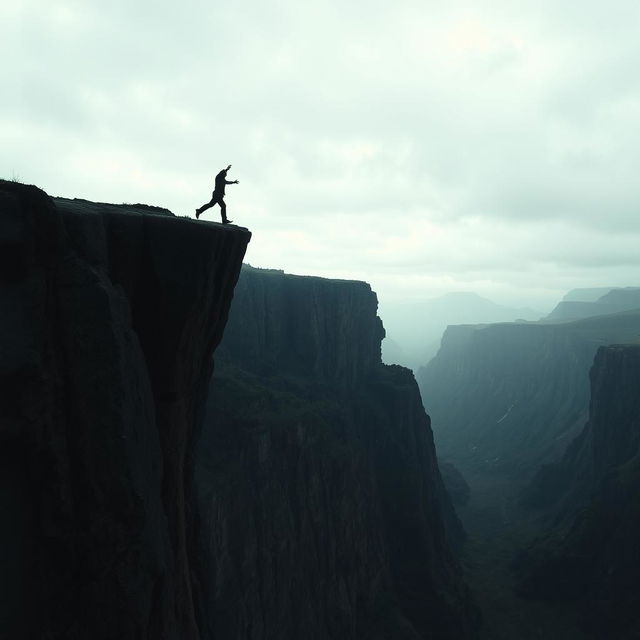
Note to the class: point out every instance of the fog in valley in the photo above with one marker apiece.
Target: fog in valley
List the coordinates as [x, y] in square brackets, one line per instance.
[414, 329]
[543, 434]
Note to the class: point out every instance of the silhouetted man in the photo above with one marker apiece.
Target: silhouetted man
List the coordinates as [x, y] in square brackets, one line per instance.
[217, 197]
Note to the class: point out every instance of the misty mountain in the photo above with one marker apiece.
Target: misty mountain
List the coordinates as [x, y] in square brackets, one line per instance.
[415, 329]
[585, 294]
[513, 395]
[509, 403]
[612, 301]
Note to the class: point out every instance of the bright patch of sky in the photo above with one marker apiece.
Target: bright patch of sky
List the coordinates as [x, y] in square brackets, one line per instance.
[425, 147]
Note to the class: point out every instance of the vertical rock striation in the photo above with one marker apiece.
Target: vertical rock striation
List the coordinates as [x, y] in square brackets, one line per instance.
[318, 479]
[304, 326]
[110, 316]
[510, 397]
[591, 555]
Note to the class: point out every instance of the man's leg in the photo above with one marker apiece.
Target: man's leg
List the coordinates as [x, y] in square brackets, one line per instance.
[223, 211]
[214, 200]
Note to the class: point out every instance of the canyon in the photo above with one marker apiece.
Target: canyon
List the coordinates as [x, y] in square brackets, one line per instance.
[294, 494]
[542, 421]
[319, 476]
[196, 449]
[512, 396]
[588, 555]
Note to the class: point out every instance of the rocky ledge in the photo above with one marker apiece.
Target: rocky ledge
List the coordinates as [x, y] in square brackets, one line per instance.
[110, 316]
[325, 513]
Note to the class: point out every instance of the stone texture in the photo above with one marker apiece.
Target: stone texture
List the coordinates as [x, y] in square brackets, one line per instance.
[591, 556]
[110, 316]
[307, 326]
[318, 478]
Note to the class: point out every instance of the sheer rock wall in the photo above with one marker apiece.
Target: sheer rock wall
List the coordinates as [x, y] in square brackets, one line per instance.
[319, 479]
[110, 316]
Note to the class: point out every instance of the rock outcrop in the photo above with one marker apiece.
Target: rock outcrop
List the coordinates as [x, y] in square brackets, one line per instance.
[591, 555]
[304, 326]
[318, 478]
[110, 316]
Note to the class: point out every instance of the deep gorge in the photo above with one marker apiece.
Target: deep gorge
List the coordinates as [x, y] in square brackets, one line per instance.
[317, 507]
[196, 449]
[542, 421]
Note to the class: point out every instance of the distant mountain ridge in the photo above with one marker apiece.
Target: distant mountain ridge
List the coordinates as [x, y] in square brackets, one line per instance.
[590, 294]
[613, 300]
[416, 328]
[515, 394]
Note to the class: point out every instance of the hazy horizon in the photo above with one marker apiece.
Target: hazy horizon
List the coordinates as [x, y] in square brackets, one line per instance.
[425, 148]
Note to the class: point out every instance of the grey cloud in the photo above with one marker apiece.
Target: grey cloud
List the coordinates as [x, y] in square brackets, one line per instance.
[457, 117]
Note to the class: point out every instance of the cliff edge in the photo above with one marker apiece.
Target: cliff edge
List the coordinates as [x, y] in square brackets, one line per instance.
[110, 316]
[589, 557]
[318, 478]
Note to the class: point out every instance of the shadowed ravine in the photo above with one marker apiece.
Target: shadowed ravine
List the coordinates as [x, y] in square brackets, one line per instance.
[318, 474]
[318, 511]
[496, 527]
[296, 492]
[543, 422]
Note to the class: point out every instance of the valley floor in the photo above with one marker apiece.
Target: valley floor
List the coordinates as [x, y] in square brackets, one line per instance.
[497, 528]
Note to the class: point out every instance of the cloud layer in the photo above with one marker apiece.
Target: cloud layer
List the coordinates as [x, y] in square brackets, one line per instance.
[425, 147]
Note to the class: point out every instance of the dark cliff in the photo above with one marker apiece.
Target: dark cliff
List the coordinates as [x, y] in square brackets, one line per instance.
[513, 396]
[304, 326]
[318, 477]
[591, 557]
[110, 316]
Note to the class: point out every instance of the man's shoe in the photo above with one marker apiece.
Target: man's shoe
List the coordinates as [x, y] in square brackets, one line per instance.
[197, 213]
[227, 221]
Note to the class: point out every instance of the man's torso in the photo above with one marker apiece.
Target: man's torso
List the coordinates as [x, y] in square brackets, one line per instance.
[220, 183]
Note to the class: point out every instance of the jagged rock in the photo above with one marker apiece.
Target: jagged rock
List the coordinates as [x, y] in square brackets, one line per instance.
[110, 316]
[318, 477]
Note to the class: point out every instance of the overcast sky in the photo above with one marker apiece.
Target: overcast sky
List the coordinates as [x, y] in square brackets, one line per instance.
[426, 147]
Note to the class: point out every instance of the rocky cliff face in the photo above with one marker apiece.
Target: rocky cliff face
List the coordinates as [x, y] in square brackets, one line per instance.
[309, 327]
[110, 316]
[318, 477]
[513, 396]
[590, 557]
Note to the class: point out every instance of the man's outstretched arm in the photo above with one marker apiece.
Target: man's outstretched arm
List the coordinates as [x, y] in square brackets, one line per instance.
[231, 182]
